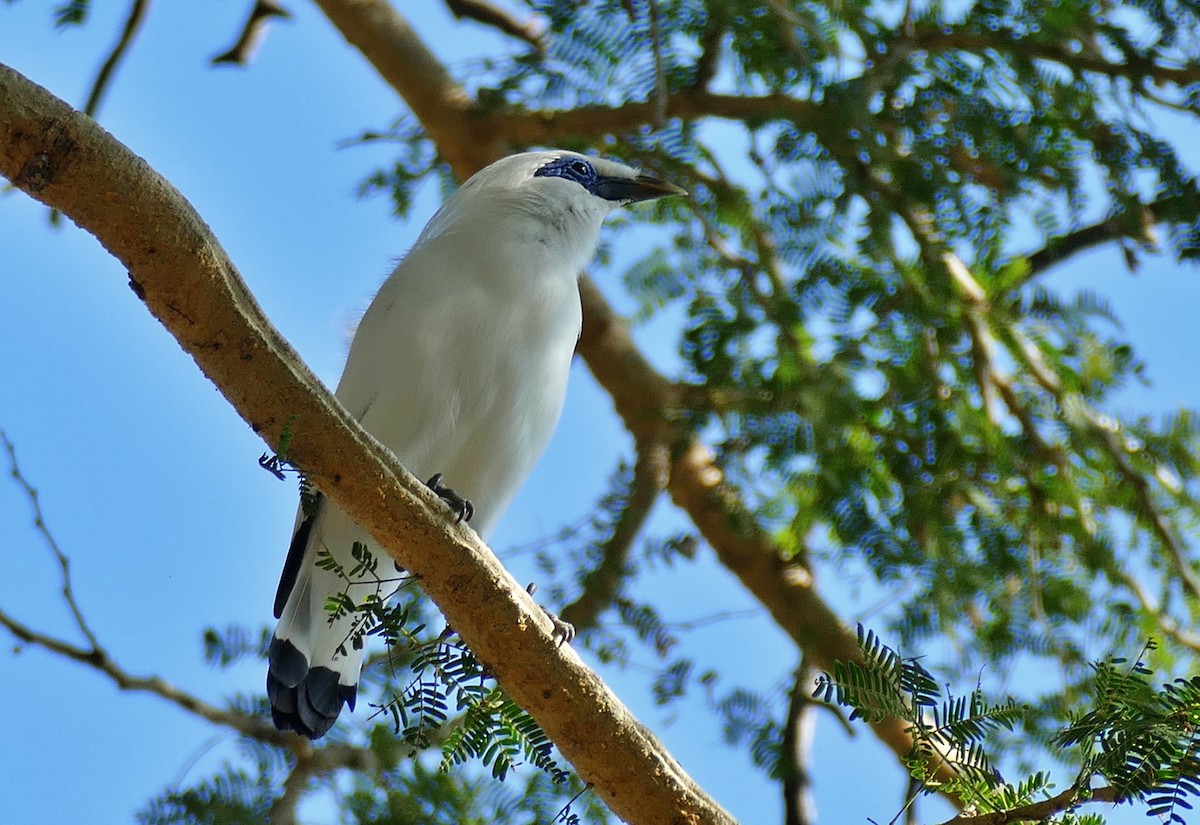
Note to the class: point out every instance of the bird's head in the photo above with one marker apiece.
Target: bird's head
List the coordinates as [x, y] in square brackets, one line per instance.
[566, 192]
[569, 176]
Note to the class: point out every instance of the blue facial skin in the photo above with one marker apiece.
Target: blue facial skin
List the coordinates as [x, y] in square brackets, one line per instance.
[576, 169]
[620, 190]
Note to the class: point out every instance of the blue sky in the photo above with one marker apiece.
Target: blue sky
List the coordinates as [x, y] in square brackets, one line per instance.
[150, 480]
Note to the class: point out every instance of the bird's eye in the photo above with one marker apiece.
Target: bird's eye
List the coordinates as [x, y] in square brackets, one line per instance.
[580, 168]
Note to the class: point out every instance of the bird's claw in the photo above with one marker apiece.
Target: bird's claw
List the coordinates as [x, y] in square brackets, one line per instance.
[462, 508]
[274, 464]
[563, 632]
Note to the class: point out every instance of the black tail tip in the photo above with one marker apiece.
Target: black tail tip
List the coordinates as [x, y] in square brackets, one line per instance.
[303, 699]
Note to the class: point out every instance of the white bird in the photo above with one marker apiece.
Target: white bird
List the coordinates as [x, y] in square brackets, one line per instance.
[459, 366]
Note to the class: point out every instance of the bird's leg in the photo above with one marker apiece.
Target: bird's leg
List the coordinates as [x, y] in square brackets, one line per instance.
[462, 509]
[564, 632]
[276, 465]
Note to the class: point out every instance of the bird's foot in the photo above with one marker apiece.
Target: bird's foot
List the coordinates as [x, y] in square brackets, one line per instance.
[461, 507]
[564, 632]
[276, 465]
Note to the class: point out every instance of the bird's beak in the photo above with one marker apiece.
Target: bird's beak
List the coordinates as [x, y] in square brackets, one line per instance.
[631, 190]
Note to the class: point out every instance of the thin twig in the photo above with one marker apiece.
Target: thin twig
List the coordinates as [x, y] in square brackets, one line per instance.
[137, 16]
[253, 33]
[1167, 624]
[99, 660]
[39, 522]
[600, 586]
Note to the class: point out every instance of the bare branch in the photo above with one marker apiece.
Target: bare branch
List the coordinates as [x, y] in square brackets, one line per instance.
[328, 758]
[98, 659]
[254, 32]
[185, 279]
[39, 522]
[1075, 56]
[137, 16]
[483, 12]
[1061, 248]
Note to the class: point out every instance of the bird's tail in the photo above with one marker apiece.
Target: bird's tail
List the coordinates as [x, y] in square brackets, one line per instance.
[316, 652]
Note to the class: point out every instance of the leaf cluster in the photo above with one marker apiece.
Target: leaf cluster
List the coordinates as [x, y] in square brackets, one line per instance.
[1142, 740]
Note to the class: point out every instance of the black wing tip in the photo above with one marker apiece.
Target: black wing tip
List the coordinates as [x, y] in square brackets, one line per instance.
[303, 699]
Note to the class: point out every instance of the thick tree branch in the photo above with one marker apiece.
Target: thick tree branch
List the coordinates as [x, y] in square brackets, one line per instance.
[388, 42]
[549, 127]
[176, 267]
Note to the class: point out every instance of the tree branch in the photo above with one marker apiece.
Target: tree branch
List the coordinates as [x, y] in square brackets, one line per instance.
[186, 280]
[394, 50]
[799, 730]
[1063, 247]
[39, 522]
[137, 16]
[253, 33]
[98, 659]
[332, 756]
[489, 15]
[602, 583]
[549, 127]
[1068, 800]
